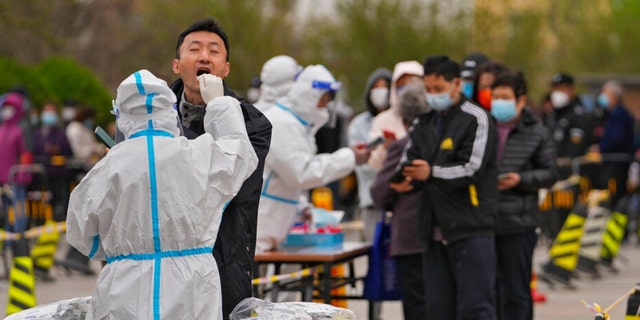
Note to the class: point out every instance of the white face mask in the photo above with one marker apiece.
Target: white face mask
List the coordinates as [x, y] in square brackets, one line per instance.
[68, 114]
[7, 113]
[379, 98]
[559, 99]
[253, 94]
[321, 117]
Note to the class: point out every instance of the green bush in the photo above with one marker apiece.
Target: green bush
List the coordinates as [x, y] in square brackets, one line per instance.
[70, 80]
[58, 79]
[15, 74]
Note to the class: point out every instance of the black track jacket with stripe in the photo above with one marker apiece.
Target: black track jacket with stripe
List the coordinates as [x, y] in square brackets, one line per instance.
[460, 196]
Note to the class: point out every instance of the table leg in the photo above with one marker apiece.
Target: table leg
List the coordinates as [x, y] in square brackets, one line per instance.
[371, 306]
[276, 285]
[326, 282]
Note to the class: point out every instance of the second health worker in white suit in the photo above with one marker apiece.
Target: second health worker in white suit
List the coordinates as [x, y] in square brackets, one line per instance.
[292, 165]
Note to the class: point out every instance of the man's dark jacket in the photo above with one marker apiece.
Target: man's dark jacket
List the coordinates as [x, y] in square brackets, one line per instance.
[235, 245]
[460, 195]
[529, 151]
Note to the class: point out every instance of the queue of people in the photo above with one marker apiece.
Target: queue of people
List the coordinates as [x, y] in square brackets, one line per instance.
[63, 146]
[201, 179]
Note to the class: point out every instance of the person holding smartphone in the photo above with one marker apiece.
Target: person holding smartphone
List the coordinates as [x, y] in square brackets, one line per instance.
[526, 160]
[452, 154]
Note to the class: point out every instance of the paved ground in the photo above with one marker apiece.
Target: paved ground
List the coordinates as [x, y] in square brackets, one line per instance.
[562, 303]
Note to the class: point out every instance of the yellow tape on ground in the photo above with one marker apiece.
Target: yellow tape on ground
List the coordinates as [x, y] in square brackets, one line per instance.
[275, 278]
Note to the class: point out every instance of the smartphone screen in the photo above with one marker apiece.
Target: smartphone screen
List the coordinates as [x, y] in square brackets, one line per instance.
[378, 141]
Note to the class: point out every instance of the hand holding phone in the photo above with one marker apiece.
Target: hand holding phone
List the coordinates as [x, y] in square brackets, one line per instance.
[398, 176]
[374, 143]
[104, 137]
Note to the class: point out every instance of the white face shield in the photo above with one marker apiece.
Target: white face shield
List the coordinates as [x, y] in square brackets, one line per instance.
[330, 115]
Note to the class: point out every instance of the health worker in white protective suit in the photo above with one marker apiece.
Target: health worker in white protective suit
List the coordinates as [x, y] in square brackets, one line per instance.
[276, 78]
[152, 207]
[292, 165]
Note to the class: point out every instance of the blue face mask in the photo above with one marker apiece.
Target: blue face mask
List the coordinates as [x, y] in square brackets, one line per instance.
[467, 89]
[49, 118]
[603, 100]
[438, 101]
[503, 110]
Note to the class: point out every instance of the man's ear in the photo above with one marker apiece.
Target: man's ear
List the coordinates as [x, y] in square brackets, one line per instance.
[521, 102]
[175, 66]
[227, 69]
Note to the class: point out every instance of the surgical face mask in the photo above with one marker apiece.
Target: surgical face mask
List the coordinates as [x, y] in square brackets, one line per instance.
[503, 110]
[559, 99]
[467, 89]
[603, 100]
[253, 94]
[439, 101]
[379, 98]
[321, 118]
[49, 118]
[68, 114]
[8, 112]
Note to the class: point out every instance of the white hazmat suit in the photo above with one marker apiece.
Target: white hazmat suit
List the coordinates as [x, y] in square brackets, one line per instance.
[152, 207]
[292, 165]
[277, 77]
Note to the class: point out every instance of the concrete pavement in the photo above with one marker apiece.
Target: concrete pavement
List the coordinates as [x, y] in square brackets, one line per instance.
[562, 303]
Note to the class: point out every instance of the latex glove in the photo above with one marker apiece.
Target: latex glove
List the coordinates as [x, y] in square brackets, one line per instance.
[210, 87]
[362, 154]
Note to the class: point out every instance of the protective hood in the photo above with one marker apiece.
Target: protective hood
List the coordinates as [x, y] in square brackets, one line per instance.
[145, 102]
[380, 73]
[401, 68]
[277, 77]
[16, 101]
[302, 100]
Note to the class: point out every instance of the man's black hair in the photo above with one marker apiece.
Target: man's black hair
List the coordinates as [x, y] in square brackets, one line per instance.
[441, 65]
[514, 80]
[206, 24]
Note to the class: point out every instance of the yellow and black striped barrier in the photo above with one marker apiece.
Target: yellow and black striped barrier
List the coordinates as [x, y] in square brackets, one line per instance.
[21, 280]
[591, 242]
[633, 304]
[613, 235]
[565, 249]
[44, 249]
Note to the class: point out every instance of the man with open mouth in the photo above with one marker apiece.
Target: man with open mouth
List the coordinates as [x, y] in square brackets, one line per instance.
[204, 48]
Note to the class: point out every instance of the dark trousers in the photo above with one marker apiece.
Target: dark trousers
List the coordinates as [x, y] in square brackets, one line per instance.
[460, 279]
[411, 285]
[515, 253]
